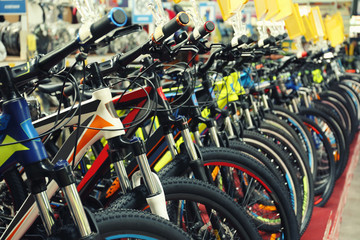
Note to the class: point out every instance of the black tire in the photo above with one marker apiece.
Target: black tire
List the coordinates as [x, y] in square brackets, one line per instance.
[346, 103]
[355, 87]
[296, 123]
[300, 164]
[233, 164]
[132, 224]
[340, 138]
[16, 187]
[258, 156]
[197, 199]
[342, 114]
[283, 126]
[355, 98]
[336, 133]
[281, 161]
[344, 97]
[324, 183]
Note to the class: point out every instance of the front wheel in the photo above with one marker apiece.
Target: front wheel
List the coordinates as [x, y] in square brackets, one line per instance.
[249, 183]
[132, 224]
[200, 209]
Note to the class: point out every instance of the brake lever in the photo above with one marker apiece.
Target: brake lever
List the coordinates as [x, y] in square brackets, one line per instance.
[217, 44]
[176, 48]
[118, 33]
[191, 48]
[126, 30]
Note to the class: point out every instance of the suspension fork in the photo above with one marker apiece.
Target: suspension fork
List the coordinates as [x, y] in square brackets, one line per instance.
[264, 100]
[197, 136]
[169, 138]
[166, 120]
[64, 177]
[119, 148]
[212, 127]
[248, 119]
[196, 162]
[305, 97]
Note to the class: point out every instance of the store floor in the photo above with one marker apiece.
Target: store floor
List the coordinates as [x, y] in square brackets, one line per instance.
[350, 224]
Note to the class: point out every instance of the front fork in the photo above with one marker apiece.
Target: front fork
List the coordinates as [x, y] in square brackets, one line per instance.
[118, 149]
[63, 175]
[196, 163]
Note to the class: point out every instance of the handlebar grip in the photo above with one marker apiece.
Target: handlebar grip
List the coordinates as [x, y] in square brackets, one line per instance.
[278, 37]
[270, 40]
[243, 40]
[237, 41]
[114, 19]
[161, 33]
[253, 38]
[281, 37]
[201, 32]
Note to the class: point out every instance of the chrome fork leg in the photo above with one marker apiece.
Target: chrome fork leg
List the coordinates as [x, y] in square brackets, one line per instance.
[185, 133]
[156, 197]
[171, 144]
[62, 173]
[66, 181]
[295, 105]
[116, 147]
[248, 118]
[45, 211]
[214, 136]
[76, 209]
[147, 174]
[122, 175]
[198, 138]
[229, 128]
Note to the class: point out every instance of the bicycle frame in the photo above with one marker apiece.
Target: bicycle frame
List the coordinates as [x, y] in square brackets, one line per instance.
[16, 126]
[97, 113]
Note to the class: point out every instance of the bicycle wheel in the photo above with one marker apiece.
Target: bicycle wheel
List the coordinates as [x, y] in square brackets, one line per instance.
[248, 182]
[332, 131]
[300, 164]
[324, 181]
[296, 123]
[355, 87]
[283, 126]
[282, 163]
[342, 98]
[200, 209]
[132, 224]
[354, 98]
[14, 190]
[338, 109]
[258, 156]
[341, 138]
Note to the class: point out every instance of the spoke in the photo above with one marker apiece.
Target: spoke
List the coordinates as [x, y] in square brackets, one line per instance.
[249, 190]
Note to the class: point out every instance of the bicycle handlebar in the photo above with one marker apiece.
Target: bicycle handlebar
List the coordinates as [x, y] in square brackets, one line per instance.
[162, 33]
[25, 72]
[115, 18]
[267, 41]
[201, 32]
[235, 42]
[123, 60]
